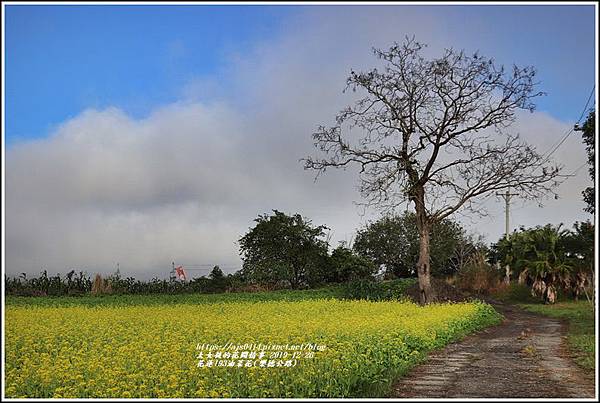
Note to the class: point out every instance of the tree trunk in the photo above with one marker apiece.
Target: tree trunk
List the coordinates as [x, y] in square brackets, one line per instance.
[426, 292]
[507, 274]
[294, 280]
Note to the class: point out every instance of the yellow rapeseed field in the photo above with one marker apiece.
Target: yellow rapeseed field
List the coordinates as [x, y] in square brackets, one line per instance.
[152, 351]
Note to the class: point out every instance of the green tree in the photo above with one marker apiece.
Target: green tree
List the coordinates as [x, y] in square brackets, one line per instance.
[506, 251]
[580, 247]
[284, 249]
[542, 259]
[589, 134]
[218, 281]
[345, 265]
[392, 242]
[216, 274]
[580, 243]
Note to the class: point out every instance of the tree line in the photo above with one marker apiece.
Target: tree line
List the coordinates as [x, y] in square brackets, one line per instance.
[288, 251]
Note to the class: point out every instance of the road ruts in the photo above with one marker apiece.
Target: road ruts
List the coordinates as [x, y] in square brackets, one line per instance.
[523, 357]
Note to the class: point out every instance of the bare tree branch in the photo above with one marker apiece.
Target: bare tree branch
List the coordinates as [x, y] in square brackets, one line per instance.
[434, 132]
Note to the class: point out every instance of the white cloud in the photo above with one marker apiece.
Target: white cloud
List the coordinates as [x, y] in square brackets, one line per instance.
[182, 184]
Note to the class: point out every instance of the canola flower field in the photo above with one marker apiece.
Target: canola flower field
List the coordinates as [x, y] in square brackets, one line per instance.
[59, 348]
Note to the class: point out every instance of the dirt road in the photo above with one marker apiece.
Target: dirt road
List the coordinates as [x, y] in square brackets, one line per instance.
[525, 356]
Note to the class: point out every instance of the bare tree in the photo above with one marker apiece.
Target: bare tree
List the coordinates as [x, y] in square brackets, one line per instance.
[433, 133]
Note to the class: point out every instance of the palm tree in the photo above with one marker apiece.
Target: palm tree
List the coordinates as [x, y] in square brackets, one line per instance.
[544, 261]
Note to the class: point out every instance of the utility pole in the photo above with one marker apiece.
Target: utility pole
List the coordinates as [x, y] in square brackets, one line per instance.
[506, 196]
[172, 273]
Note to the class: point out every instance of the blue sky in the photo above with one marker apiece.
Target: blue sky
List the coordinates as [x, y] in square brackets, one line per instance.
[63, 59]
[147, 135]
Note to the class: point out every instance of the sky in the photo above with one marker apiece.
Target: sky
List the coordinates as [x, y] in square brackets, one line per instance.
[143, 135]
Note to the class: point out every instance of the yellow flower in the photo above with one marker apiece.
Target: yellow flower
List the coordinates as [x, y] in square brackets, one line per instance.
[149, 350]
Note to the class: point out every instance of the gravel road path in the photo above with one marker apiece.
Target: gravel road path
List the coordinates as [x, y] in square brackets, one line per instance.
[523, 357]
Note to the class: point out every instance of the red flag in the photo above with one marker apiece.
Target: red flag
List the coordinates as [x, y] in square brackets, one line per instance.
[180, 272]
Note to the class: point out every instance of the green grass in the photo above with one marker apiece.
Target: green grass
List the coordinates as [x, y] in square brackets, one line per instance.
[581, 334]
[176, 299]
[515, 293]
[389, 290]
[392, 289]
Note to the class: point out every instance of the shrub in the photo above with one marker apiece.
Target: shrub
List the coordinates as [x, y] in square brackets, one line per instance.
[477, 275]
[101, 286]
[513, 292]
[368, 289]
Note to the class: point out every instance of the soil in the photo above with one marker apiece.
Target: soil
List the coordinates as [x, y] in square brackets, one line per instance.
[443, 291]
[523, 357]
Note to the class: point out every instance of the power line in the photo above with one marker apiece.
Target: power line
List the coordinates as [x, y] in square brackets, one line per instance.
[586, 104]
[553, 149]
[574, 173]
